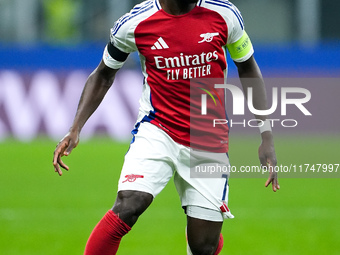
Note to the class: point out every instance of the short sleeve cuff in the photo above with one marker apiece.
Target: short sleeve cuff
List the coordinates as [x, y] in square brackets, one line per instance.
[242, 49]
[111, 62]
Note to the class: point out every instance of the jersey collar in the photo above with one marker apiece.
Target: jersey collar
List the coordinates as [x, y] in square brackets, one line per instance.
[158, 5]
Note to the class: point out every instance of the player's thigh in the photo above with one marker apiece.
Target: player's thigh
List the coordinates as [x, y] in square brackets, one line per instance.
[203, 191]
[146, 171]
[148, 165]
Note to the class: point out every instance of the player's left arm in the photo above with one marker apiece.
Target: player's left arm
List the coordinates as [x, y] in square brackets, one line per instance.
[241, 51]
[251, 77]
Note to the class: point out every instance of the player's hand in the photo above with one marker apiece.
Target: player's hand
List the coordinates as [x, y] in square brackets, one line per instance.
[64, 148]
[267, 158]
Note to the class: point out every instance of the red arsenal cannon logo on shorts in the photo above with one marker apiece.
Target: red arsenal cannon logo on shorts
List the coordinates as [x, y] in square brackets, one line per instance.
[132, 177]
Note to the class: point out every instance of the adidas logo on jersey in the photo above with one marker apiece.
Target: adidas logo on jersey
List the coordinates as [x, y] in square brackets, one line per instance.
[160, 44]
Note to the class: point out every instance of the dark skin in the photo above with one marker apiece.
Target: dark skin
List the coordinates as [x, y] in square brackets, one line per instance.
[203, 236]
[251, 76]
[178, 7]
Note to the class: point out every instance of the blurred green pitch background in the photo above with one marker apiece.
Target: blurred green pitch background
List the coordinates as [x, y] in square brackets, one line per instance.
[44, 214]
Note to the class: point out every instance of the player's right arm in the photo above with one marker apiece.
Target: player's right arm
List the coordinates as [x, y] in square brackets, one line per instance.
[115, 54]
[96, 87]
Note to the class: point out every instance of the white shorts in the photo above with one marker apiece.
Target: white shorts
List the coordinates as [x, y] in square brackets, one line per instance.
[153, 158]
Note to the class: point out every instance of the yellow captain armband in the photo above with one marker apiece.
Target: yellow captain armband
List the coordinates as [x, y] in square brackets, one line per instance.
[242, 49]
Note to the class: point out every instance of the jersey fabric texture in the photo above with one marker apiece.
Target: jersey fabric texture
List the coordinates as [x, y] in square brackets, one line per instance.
[173, 50]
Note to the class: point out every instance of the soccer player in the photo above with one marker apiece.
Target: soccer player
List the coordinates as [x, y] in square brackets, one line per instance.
[177, 40]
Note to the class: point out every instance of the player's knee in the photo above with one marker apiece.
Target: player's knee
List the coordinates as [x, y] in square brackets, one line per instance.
[202, 247]
[130, 205]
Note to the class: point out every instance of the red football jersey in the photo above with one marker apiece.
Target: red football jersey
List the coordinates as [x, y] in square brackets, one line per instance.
[179, 55]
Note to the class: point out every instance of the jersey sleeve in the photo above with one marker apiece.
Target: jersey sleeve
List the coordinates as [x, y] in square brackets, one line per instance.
[122, 42]
[113, 57]
[242, 49]
[238, 43]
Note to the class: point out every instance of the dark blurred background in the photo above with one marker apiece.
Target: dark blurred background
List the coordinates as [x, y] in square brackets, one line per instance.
[48, 48]
[28, 22]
